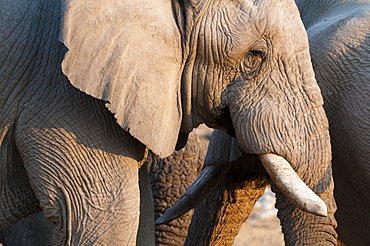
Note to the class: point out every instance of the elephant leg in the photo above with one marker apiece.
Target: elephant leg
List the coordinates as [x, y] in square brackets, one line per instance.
[84, 171]
[17, 199]
[218, 219]
[36, 230]
[170, 177]
[182, 168]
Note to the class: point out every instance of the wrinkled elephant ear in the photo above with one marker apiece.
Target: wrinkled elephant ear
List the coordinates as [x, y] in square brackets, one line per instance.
[129, 54]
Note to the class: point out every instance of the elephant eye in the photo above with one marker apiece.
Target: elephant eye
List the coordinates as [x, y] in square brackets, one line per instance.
[257, 52]
[251, 62]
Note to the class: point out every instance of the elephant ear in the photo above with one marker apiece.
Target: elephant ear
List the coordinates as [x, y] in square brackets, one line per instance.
[129, 54]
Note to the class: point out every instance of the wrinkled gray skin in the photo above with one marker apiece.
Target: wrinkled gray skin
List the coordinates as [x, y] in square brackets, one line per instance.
[218, 219]
[339, 36]
[87, 87]
[169, 178]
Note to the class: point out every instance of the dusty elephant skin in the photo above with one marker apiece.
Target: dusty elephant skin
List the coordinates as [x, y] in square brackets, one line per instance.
[219, 217]
[169, 178]
[30, 231]
[339, 37]
[339, 45]
[87, 87]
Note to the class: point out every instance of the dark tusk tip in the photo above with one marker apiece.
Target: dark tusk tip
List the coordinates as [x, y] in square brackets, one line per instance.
[182, 206]
[162, 220]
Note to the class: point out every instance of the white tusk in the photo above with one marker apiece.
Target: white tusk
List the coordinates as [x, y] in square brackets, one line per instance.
[283, 175]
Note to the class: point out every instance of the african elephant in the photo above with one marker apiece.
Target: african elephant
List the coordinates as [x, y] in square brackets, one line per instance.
[88, 87]
[169, 178]
[339, 37]
[218, 218]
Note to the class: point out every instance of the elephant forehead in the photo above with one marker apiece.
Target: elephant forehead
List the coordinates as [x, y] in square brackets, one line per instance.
[235, 26]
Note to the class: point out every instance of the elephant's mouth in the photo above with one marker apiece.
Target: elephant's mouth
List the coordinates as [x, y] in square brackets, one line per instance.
[227, 122]
[280, 171]
[224, 122]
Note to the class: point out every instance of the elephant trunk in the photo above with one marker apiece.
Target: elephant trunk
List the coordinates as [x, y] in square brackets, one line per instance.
[286, 118]
[315, 170]
[218, 219]
[312, 164]
[311, 229]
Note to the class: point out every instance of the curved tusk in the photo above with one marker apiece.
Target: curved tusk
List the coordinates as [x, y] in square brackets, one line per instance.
[207, 181]
[282, 173]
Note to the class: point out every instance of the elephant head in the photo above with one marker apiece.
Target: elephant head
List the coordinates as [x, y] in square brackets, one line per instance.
[164, 67]
[242, 66]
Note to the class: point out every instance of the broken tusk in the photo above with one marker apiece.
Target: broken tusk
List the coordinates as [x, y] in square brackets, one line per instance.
[207, 181]
[292, 186]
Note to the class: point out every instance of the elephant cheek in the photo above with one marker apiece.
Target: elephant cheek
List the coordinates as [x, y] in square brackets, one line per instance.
[263, 128]
[297, 133]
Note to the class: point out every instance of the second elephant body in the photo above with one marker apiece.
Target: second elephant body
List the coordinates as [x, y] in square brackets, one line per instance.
[339, 37]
